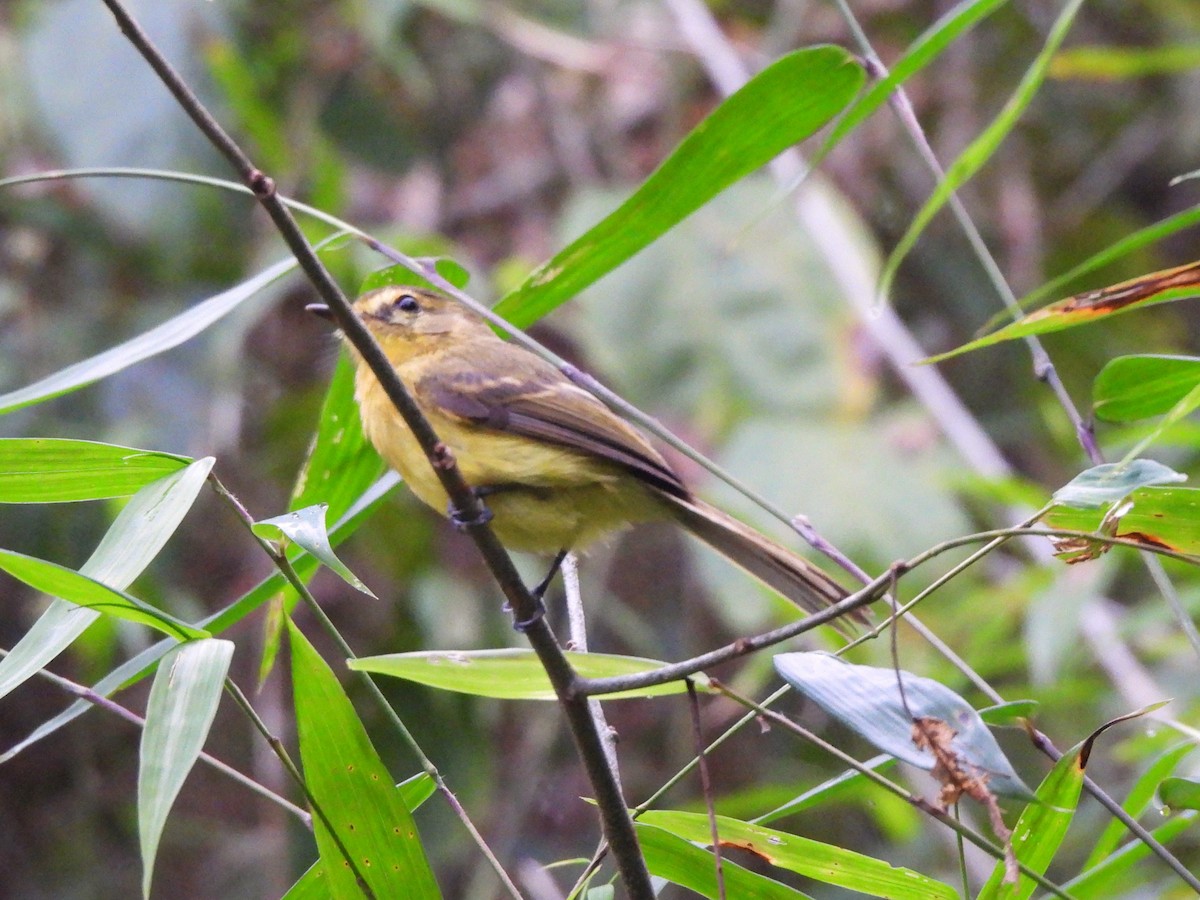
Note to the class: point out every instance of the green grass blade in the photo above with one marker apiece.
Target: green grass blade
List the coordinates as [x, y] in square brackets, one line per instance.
[54, 470]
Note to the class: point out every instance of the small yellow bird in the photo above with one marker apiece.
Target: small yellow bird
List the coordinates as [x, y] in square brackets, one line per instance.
[554, 465]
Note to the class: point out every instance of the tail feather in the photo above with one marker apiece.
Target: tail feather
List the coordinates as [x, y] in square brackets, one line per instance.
[780, 569]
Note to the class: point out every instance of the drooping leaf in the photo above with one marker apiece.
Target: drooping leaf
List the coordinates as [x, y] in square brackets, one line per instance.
[363, 828]
[306, 527]
[867, 699]
[169, 334]
[780, 106]
[179, 714]
[826, 863]
[134, 539]
[511, 674]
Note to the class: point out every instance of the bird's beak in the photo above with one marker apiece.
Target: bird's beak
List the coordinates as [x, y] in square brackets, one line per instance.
[320, 309]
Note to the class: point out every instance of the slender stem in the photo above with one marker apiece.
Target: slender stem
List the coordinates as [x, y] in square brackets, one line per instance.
[706, 787]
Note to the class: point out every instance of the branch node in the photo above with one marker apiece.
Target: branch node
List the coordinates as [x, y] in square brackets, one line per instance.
[261, 184]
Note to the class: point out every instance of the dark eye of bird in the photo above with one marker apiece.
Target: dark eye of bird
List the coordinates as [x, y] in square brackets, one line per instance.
[408, 303]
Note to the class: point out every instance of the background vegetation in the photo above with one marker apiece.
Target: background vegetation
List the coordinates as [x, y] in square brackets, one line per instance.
[495, 134]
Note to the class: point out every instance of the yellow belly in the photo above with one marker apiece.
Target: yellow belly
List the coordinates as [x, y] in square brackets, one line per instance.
[544, 499]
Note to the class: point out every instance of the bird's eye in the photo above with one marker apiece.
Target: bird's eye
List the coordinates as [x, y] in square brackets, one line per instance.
[408, 303]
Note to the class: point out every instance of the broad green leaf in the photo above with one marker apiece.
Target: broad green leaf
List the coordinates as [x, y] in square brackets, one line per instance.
[1180, 793]
[134, 539]
[981, 149]
[451, 270]
[136, 668]
[780, 106]
[1106, 879]
[59, 581]
[1160, 516]
[846, 783]
[306, 527]
[682, 862]
[363, 828]
[312, 885]
[1109, 482]
[1129, 388]
[164, 337]
[1121, 63]
[1040, 829]
[924, 50]
[1138, 800]
[867, 699]
[1166, 286]
[1182, 408]
[183, 702]
[511, 674]
[1009, 713]
[52, 470]
[826, 863]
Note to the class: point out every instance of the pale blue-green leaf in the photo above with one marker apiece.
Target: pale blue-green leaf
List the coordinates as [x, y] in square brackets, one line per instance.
[53, 470]
[169, 334]
[867, 699]
[183, 702]
[1110, 482]
[134, 539]
[306, 527]
[981, 149]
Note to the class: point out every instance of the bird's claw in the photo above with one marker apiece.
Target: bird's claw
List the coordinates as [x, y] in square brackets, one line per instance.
[463, 522]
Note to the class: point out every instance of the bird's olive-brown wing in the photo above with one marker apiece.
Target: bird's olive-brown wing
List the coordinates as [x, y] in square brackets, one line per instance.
[532, 398]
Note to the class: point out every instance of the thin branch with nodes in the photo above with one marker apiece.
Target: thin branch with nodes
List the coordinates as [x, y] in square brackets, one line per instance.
[615, 821]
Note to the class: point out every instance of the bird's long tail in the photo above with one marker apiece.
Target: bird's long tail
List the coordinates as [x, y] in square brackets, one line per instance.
[794, 577]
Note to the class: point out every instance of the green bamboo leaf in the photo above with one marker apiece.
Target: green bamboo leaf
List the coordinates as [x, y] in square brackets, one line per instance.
[845, 784]
[924, 50]
[1129, 388]
[682, 862]
[1162, 517]
[780, 106]
[363, 828]
[1040, 829]
[169, 334]
[1138, 801]
[512, 674]
[983, 147]
[826, 863]
[1110, 482]
[306, 527]
[1010, 713]
[134, 539]
[183, 702]
[138, 667]
[1177, 792]
[1122, 63]
[867, 699]
[1113, 876]
[53, 470]
[59, 581]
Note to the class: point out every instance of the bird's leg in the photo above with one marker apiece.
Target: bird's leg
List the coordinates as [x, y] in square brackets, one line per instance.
[462, 522]
[525, 624]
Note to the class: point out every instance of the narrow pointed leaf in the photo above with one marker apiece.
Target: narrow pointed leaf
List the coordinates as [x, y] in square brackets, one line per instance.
[1107, 483]
[1169, 285]
[134, 539]
[306, 527]
[51, 470]
[826, 863]
[511, 674]
[1040, 829]
[59, 581]
[780, 106]
[164, 337]
[867, 699]
[983, 147]
[682, 862]
[1106, 879]
[828, 791]
[363, 828]
[1122, 63]
[183, 702]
